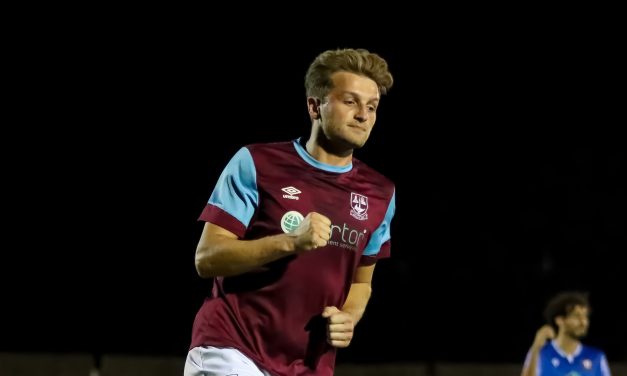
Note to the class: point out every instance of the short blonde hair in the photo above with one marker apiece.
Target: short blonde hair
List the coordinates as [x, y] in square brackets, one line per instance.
[318, 81]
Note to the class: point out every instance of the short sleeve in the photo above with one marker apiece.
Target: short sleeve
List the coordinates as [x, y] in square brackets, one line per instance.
[378, 246]
[235, 197]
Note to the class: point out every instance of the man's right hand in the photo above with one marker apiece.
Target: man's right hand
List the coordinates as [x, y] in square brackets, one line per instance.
[542, 335]
[313, 232]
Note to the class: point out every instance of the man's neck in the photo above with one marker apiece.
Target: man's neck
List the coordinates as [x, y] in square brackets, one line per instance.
[567, 343]
[324, 156]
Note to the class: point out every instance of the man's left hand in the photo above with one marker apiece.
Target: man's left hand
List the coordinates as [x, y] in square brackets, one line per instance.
[340, 326]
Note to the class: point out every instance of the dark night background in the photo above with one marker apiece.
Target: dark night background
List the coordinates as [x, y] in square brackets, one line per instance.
[510, 187]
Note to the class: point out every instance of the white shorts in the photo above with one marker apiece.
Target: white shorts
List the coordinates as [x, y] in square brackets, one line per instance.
[217, 361]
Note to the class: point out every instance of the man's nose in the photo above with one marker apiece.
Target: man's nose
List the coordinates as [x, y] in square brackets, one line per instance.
[362, 114]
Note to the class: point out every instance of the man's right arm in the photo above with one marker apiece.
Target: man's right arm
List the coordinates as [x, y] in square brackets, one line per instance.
[531, 363]
[533, 357]
[221, 253]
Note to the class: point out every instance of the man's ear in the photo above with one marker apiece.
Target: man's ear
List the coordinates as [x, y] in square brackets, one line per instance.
[313, 107]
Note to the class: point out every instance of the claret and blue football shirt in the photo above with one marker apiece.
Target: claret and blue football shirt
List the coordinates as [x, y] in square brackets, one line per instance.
[272, 314]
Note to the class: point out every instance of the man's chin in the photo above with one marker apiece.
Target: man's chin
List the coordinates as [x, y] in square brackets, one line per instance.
[356, 144]
[580, 335]
[347, 141]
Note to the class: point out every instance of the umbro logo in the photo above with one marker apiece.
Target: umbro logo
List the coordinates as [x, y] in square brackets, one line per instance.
[291, 192]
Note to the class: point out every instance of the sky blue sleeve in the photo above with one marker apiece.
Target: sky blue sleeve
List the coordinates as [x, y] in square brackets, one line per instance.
[528, 360]
[605, 368]
[236, 190]
[382, 233]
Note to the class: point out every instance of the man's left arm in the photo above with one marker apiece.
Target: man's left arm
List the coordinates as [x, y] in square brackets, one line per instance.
[341, 323]
[605, 368]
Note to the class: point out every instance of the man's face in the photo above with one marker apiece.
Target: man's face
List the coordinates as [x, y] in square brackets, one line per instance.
[349, 111]
[576, 323]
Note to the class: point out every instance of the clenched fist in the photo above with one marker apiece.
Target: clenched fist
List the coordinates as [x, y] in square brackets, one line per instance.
[542, 335]
[340, 326]
[313, 232]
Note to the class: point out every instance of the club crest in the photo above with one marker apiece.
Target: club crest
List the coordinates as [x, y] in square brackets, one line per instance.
[359, 206]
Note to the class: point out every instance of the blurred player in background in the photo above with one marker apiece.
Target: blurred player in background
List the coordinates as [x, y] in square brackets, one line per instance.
[564, 354]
